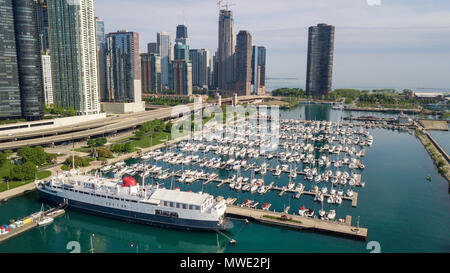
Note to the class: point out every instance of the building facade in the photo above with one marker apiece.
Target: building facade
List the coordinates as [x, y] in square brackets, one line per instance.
[124, 69]
[164, 49]
[320, 60]
[42, 21]
[182, 35]
[47, 79]
[181, 70]
[259, 70]
[21, 87]
[152, 48]
[201, 67]
[73, 47]
[225, 51]
[151, 73]
[9, 72]
[101, 59]
[243, 63]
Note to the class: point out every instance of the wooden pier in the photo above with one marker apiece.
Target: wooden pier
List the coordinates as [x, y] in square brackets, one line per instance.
[299, 222]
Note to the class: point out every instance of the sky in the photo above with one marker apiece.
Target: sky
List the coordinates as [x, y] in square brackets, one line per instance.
[378, 43]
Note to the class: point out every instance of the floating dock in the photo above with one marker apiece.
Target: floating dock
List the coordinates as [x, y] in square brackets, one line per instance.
[31, 222]
[299, 222]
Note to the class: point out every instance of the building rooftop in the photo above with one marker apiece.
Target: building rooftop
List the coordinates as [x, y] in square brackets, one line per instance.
[190, 198]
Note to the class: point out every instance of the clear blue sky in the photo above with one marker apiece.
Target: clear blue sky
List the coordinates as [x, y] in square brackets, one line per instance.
[378, 43]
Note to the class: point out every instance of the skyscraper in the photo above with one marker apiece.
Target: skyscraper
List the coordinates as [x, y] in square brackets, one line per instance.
[101, 59]
[9, 72]
[124, 68]
[164, 49]
[225, 51]
[182, 35]
[47, 79]
[320, 60]
[42, 21]
[259, 70]
[151, 73]
[181, 70]
[152, 48]
[243, 63]
[21, 88]
[200, 67]
[72, 40]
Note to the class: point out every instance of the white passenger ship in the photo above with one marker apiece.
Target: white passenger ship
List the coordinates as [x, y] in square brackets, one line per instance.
[126, 200]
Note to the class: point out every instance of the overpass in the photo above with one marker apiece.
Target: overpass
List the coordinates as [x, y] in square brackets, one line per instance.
[83, 131]
[109, 125]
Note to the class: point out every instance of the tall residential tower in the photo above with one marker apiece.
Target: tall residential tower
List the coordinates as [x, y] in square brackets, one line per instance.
[224, 55]
[243, 63]
[72, 40]
[320, 60]
[124, 67]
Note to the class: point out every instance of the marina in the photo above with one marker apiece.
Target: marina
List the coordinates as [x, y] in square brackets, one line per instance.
[385, 217]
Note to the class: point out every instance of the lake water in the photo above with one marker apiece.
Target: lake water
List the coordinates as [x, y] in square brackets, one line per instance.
[401, 209]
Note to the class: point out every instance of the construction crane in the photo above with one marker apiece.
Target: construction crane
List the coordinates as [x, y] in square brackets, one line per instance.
[228, 4]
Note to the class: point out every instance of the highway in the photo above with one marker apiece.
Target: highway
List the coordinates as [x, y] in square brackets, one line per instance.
[85, 130]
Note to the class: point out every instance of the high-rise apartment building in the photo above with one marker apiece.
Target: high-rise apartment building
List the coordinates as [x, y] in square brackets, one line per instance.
[21, 88]
[101, 59]
[201, 67]
[181, 70]
[72, 40]
[224, 55]
[151, 73]
[124, 66]
[259, 70]
[320, 60]
[243, 63]
[9, 72]
[47, 79]
[164, 49]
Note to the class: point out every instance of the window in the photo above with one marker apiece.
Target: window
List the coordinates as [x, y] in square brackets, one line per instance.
[185, 206]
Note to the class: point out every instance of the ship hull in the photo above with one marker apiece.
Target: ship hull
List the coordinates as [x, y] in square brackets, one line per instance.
[135, 217]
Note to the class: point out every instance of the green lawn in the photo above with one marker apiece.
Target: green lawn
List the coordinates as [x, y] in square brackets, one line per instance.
[83, 150]
[15, 184]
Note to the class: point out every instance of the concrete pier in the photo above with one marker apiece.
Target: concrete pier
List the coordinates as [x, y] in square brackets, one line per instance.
[299, 222]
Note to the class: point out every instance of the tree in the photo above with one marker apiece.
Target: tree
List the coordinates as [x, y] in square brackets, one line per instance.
[23, 172]
[101, 141]
[103, 152]
[129, 147]
[3, 159]
[90, 142]
[35, 155]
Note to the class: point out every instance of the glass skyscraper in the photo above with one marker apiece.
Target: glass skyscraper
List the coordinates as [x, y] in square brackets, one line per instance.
[259, 70]
[243, 63]
[21, 88]
[320, 60]
[164, 49]
[124, 66]
[72, 40]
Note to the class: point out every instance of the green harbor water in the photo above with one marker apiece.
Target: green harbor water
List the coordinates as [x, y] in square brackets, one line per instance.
[401, 209]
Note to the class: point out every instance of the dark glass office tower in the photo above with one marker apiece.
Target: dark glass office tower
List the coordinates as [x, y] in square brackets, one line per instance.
[320, 60]
[29, 58]
[182, 31]
[243, 63]
[9, 76]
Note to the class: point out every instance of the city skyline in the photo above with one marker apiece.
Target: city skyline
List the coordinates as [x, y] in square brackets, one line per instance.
[396, 47]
